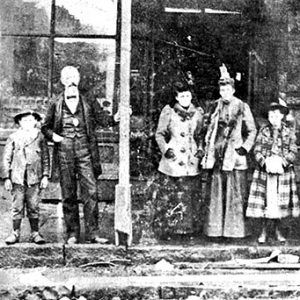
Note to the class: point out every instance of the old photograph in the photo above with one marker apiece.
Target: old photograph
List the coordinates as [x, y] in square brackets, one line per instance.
[149, 149]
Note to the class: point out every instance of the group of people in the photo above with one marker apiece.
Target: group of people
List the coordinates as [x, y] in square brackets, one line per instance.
[70, 124]
[191, 142]
[217, 143]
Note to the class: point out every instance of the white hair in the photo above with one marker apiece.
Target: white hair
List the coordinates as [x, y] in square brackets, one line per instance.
[68, 75]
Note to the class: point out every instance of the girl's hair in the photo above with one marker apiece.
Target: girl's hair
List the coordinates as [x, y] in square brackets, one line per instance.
[180, 87]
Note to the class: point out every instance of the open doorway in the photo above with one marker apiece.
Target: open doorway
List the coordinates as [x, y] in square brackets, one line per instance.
[195, 46]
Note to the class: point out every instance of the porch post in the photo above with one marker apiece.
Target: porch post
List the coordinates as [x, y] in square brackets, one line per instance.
[123, 223]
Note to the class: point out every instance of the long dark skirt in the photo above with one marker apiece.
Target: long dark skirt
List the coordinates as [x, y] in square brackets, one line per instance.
[227, 196]
[176, 205]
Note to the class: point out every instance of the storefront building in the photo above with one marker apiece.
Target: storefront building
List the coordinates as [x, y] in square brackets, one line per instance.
[259, 41]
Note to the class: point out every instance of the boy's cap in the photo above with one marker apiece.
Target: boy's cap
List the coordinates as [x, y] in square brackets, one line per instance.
[24, 113]
[281, 105]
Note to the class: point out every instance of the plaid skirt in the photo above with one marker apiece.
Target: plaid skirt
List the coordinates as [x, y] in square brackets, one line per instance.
[287, 198]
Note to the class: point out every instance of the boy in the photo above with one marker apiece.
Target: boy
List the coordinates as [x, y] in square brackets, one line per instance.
[26, 171]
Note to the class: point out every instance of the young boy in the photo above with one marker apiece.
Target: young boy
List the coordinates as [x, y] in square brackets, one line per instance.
[26, 171]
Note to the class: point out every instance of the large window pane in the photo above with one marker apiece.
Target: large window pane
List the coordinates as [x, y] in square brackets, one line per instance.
[23, 75]
[25, 16]
[95, 60]
[86, 17]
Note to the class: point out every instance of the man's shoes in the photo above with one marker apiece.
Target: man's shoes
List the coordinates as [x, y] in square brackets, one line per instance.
[98, 240]
[13, 238]
[72, 240]
[37, 238]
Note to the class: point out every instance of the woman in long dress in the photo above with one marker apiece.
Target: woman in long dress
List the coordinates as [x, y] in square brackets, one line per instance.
[178, 195]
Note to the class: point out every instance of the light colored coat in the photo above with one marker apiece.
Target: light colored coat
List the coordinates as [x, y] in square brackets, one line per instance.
[22, 155]
[179, 130]
[239, 113]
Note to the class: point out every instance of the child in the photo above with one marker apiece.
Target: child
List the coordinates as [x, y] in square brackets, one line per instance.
[26, 171]
[273, 192]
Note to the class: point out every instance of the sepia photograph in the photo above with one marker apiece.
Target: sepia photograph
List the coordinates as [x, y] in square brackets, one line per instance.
[149, 149]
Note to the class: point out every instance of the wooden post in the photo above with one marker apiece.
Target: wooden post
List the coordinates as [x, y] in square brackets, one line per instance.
[123, 223]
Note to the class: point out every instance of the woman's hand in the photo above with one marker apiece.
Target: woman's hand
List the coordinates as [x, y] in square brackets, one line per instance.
[241, 151]
[199, 154]
[57, 138]
[170, 154]
[274, 164]
[8, 184]
[44, 182]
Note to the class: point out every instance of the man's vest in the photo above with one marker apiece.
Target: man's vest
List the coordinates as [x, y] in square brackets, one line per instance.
[73, 125]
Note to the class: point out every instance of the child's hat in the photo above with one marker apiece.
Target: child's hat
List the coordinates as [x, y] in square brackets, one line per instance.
[24, 113]
[281, 105]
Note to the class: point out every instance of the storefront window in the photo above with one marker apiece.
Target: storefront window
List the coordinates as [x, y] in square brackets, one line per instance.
[36, 43]
[25, 16]
[86, 17]
[95, 60]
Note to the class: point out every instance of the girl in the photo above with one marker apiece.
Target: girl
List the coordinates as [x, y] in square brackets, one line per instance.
[273, 192]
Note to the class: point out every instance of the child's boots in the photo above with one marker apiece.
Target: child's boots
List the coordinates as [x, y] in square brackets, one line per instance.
[13, 238]
[35, 236]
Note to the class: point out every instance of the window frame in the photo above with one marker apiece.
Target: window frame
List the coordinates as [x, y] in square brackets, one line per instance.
[53, 35]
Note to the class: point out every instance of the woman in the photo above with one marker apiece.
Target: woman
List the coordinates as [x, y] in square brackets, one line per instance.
[178, 196]
[225, 156]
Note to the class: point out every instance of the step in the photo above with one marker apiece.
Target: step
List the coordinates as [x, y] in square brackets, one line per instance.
[30, 255]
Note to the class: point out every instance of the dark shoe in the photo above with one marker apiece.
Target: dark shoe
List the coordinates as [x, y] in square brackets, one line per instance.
[37, 238]
[13, 238]
[72, 240]
[98, 240]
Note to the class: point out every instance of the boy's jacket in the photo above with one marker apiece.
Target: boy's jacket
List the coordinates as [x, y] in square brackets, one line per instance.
[30, 157]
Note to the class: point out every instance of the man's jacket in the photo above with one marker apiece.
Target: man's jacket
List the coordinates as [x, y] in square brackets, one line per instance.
[93, 115]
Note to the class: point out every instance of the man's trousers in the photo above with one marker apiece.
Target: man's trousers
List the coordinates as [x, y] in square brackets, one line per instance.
[75, 164]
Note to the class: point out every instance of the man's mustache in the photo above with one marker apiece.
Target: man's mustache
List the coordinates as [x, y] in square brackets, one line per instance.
[72, 84]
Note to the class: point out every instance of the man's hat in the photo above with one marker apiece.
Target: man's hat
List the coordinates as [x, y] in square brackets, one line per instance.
[25, 113]
[281, 105]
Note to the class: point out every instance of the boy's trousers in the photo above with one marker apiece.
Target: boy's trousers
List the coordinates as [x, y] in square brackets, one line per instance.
[25, 196]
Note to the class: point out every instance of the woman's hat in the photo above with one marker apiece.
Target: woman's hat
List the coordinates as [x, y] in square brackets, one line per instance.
[225, 78]
[281, 105]
[226, 81]
[24, 113]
